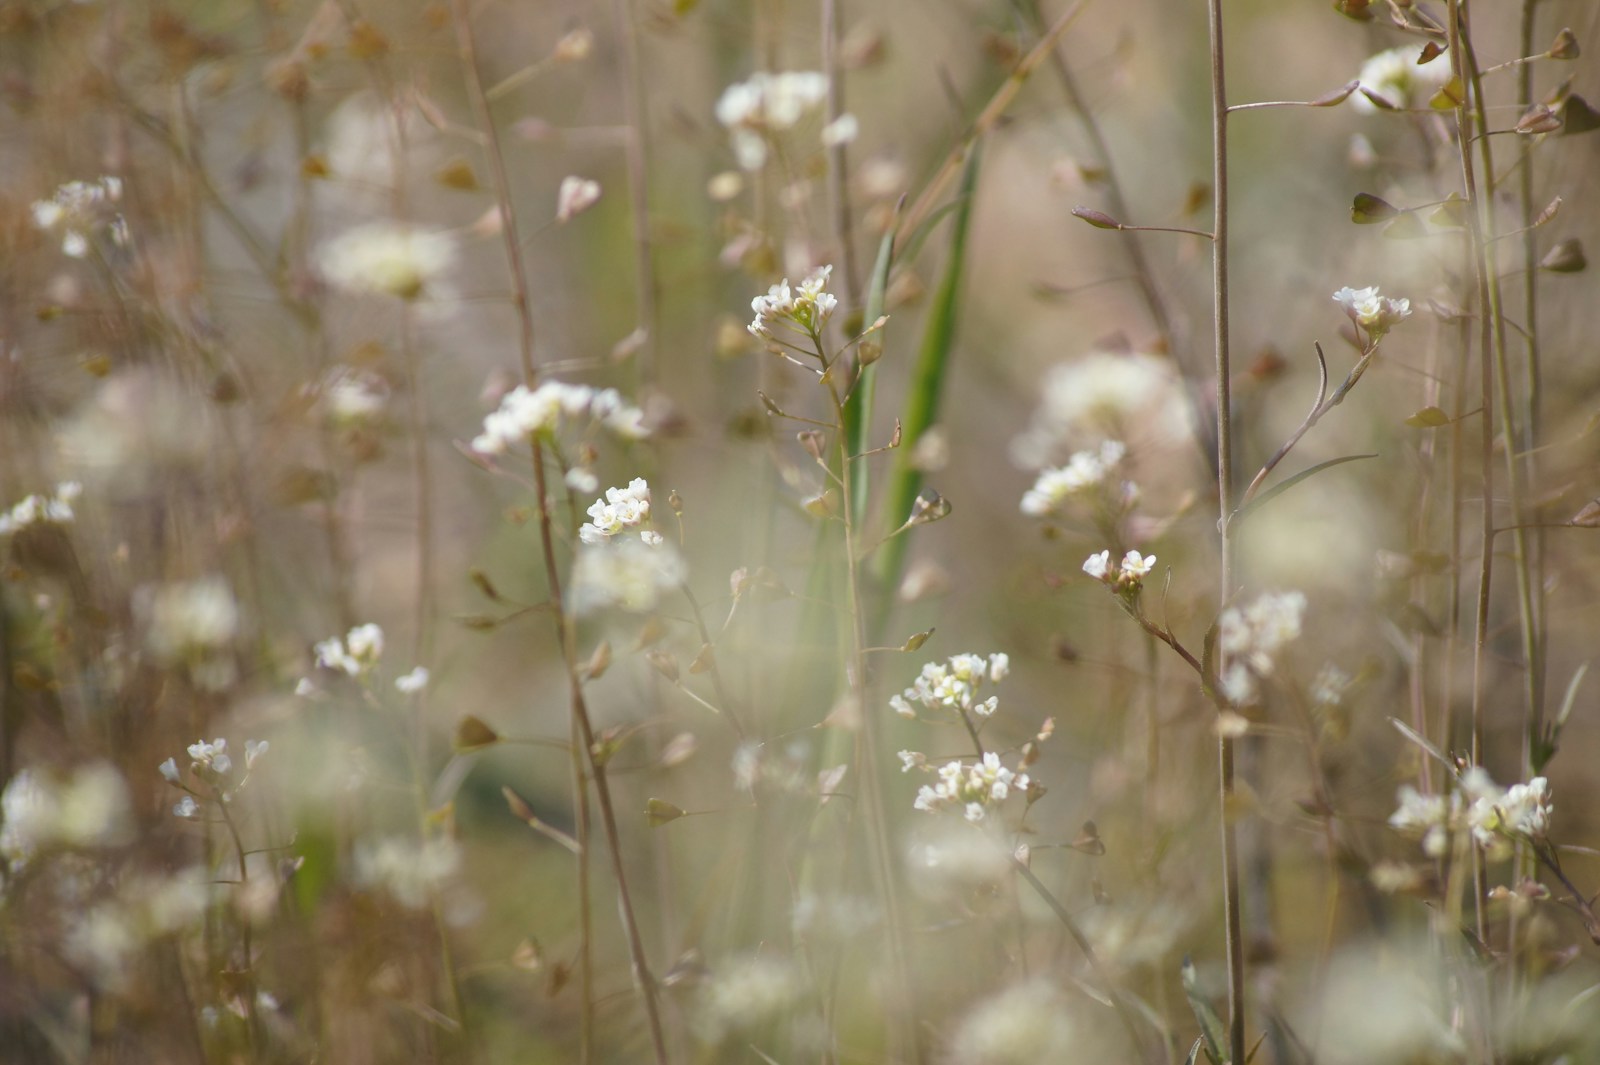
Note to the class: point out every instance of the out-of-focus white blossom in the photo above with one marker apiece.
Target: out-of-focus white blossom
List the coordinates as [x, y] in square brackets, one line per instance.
[525, 412]
[1397, 77]
[1085, 470]
[353, 397]
[842, 130]
[1330, 685]
[55, 508]
[620, 510]
[1096, 395]
[409, 871]
[975, 787]
[1428, 817]
[388, 258]
[413, 682]
[806, 307]
[765, 104]
[1374, 313]
[953, 685]
[358, 653]
[576, 195]
[745, 993]
[108, 938]
[626, 573]
[187, 618]
[1025, 1024]
[84, 807]
[1250, 638]
[78, 208]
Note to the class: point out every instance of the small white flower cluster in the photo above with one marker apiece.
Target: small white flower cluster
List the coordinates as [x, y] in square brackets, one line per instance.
[1084, 470]
[1397, 77]
[213, 765]
[954, 685]
[86, 807]
[765, 104]
[1127, 575]
[806, 306]
[1372, 312]
[524, 412]
[974, 787]
[1494, 815]
[620, 510]
[1250, 637]
[55, 508]
[411, 873]
[357, 654]
[387, 259]
[1330, 686]
[77, 208]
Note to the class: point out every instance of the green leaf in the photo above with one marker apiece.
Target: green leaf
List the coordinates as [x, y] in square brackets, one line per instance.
[1278, 489]
[659, 811]
[1428, 418]
[1368, 210]
[922, 401]
[1451, 213]
[1212, 1030]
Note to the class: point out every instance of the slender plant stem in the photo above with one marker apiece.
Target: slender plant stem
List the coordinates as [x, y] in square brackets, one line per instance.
[1533, 386]
[585, 753]
[838, 168]
[1225, 495]
[636, 152]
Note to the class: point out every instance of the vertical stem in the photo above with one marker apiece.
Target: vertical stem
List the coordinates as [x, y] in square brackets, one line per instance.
[635, 150]
[838, 171]
[583, 728]
[1486, 453]
[1533, 384]
[1225, 495]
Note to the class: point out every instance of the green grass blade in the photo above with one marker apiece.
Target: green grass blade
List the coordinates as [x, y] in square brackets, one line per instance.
[858, 408]
[926, 389]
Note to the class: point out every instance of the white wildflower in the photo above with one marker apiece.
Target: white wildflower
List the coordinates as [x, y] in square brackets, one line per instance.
[358, 653]
[87, 806]
[1253, 635]
[805, 307]
[620, 510]
[1021, 1025]
[411, 873]
[842, 130]
[766, 104]
[387, 258]
[746, 993]
[78, 208]
[1099, 566]
[353, 397]
[577, 195]
[186, 808]
[1136, 567]
[1097, 395]
[1374, 313]
[413, 682]
[1330, 686]
[953, 685]
[188, 618]
[975, 787]
[1429, 817]
[524, 412]
[211, 756]
[1085, 470]
[1397, 77]
[54, 509]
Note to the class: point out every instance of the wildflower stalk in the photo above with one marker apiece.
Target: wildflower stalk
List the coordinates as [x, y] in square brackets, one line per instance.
[838, 188]
[869, 754]
[1515, 438]
[1225, 494]
[596, 768]
[585, 755]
